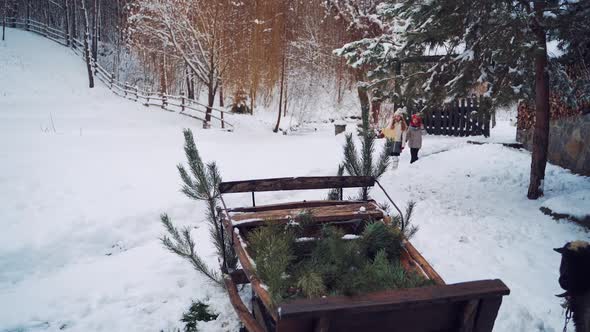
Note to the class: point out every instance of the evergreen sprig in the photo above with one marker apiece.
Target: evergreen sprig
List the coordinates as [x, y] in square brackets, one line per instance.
[363, 164]
[181, 243]
[407, 228]
[197, 312]
[200, 182]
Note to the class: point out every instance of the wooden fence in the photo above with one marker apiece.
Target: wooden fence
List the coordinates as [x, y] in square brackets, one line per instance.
[172, 103]
[462, 117]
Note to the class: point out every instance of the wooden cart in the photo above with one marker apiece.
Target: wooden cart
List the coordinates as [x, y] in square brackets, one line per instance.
[467, 306]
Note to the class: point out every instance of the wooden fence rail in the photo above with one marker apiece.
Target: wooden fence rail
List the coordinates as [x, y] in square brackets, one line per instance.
[123, 89]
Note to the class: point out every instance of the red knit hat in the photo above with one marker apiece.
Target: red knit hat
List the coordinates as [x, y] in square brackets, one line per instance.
[416, 118]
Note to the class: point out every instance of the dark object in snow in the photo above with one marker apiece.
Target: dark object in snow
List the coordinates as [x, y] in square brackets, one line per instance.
[557, 216]
[508, 145]
[574, 278]
[339, 128]
[198, 312]
[468, 306]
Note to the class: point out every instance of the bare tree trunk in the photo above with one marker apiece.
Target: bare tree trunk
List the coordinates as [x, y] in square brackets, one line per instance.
[210, 101]
[28, 10]
[281, 95]
[163, 79]
[74, 26]
[252, 97]
[67, 21]
[95, 32]
[211, 87]
[5, 13]
[220, 93]
[541, 131]
[190, 84]
[86, 45]
[286, 90]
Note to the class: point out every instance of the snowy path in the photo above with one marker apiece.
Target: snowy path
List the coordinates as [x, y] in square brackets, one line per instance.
[79, 206]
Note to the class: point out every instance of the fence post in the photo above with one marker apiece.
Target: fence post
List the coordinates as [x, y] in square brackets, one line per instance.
[135, 90]
[164, 100]
[95, 63]
[125, 88]
[112, 80]
[182, 101]
[147, 98]
[222, 121]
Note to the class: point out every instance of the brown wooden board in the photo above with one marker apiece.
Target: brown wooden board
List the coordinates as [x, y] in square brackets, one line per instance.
[321, 214]
[436, 308]
[292, 205]
[296, 183]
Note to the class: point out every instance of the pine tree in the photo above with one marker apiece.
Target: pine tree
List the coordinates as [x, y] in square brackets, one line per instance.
[500, 46]
[362, 164]
[201, 184]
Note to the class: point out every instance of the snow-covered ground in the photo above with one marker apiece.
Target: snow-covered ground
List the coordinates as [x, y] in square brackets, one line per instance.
[84, 176]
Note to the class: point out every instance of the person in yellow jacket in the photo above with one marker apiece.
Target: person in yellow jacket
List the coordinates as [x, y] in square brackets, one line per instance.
[396, 131]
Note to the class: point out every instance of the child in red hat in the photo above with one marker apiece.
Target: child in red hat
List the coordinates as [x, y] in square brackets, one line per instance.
[414, 136]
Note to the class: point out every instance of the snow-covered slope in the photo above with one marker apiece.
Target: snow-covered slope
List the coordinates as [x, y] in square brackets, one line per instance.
[80, 204]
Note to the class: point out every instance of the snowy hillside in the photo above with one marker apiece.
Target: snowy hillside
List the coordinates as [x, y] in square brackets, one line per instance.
[84, 176]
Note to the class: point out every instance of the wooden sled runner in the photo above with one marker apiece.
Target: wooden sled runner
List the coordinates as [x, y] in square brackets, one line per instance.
[467, 306]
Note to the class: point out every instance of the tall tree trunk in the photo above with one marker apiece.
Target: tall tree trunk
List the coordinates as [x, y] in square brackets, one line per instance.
[541, 131]
[362, 92]
[281, 94]
[67, 21]
[211, 85]
[28, 10]
[190, 84]
[86, 45]
[74, 26]
[286, 98]
[163, 78]
[211, 91]
[221, 94]
[4, 14]
[252, 97]
[95, 32]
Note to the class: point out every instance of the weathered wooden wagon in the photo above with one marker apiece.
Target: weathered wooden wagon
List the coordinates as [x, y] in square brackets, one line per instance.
[467, 306]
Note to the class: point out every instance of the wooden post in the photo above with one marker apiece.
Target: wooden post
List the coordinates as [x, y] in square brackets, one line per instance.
[125, 88]
[462, 112]
[136, 93]
[164, 100]
[147, 98]
[112, 80]
[222, 121]
[182, 101]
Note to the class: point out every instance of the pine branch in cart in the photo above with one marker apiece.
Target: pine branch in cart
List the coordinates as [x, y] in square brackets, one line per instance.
[331, 263]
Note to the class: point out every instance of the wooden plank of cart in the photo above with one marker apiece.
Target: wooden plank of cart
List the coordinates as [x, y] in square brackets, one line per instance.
[466, 306]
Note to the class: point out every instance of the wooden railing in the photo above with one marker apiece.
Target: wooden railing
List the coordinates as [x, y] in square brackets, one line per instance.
[171, 103]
